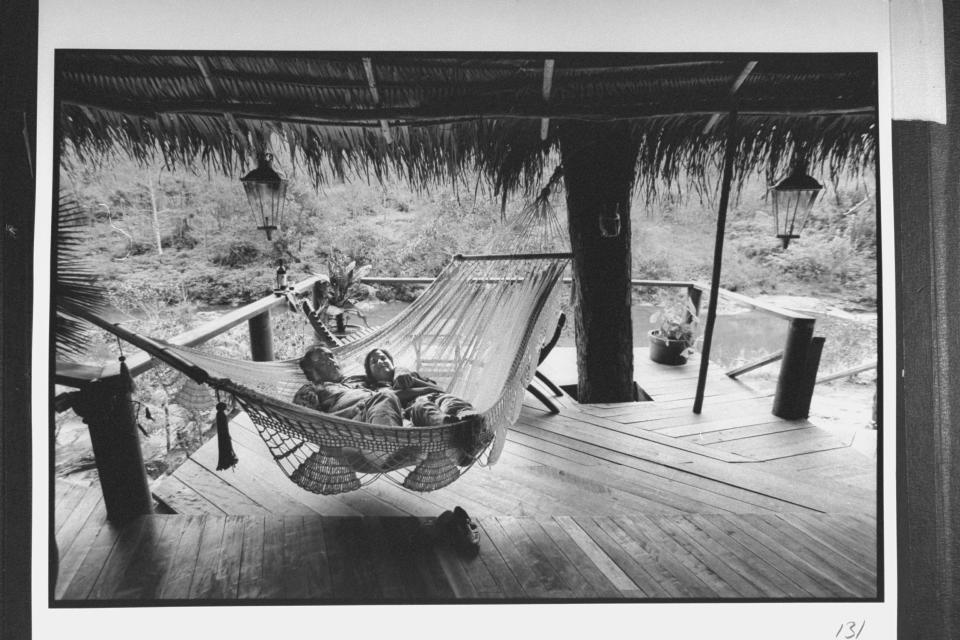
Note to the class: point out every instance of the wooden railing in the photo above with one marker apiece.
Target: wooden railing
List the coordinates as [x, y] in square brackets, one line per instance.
[800, 356]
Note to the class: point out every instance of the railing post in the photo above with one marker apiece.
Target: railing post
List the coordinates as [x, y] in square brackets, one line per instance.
[106, 406]
[261, 337]
[694, 293]
[798, 371]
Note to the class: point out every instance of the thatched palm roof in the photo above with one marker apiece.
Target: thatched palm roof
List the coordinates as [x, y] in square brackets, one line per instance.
[426, 116]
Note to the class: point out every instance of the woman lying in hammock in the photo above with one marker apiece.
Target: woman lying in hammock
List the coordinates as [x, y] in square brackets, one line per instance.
[424, 402]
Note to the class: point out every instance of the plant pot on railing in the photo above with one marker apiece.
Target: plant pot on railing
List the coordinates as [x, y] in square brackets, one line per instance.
[666, 351]
[672, 341]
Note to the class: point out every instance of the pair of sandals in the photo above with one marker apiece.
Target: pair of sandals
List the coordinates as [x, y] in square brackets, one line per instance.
[459, 530]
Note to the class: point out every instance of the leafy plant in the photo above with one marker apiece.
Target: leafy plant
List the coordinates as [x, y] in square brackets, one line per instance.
[676, 319]
[344, 290]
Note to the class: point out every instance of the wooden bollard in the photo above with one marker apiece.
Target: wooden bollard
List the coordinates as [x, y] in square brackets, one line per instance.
[106, 406]
[261, 337]
[798, 371]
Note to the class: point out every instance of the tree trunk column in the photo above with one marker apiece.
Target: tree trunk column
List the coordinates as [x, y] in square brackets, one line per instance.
[599, 164]
[106, 407]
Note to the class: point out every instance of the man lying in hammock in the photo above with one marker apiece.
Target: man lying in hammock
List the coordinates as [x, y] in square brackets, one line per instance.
[328, 391]
[424, 402]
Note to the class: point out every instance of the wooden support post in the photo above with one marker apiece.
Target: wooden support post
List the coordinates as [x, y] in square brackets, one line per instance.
[795, 384]
[729, 152]
[261, 337]
[106, 406]
[695, 295]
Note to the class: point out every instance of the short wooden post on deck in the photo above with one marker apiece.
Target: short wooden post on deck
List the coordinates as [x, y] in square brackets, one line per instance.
[694, 293]
[106, 406]
[798, 371]
[261, 337]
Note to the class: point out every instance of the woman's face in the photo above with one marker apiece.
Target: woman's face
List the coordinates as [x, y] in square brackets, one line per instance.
[381, 367]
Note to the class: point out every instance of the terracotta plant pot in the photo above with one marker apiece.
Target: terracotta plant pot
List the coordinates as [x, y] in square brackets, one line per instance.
[666, 351]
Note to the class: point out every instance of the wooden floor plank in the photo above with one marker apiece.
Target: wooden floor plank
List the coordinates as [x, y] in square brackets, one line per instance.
[616, 576]
[706, 553]
[714, 485]
[516, 561]
[68, 528]
[829, 583]
[433, 584]
[600, 585]
[120, 558]
[536, 558]
[251, 559]
[183, 499]
[147, 565]
[765, 579]
[217, 490]
[578, 585]
[493, 560]
[68, 496]
[641, 563]
[691, 561]
[272, 576]
[862, 581]
[829, 530]
[385, 548]
[226, 577]
[744, 431]
[86, 562]
[685, 580]
[209, 549]
[317, 583]
[293, 579]
[770, 551]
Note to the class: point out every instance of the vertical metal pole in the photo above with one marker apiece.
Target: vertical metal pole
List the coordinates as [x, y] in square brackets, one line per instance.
[261, 337]
[717, 255]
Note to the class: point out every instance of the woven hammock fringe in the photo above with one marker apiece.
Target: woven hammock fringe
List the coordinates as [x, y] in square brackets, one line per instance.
[433, 473]
[325, 474]
[194, 396]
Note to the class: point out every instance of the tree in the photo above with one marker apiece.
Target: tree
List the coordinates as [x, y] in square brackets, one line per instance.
[599, 169]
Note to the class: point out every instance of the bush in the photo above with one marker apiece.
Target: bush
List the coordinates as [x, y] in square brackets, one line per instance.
[240, 253]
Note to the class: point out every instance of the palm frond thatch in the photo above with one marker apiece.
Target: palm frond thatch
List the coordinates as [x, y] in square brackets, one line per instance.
[445, 113]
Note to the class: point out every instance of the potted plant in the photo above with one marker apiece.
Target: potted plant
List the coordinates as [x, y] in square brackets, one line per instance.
[672, 341]
[344, 290]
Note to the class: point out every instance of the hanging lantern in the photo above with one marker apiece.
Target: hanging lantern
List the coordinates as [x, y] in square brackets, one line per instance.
[793, 197]
[610, 224]
[266, 190]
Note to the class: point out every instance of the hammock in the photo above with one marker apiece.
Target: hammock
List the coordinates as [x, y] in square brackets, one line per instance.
[477, 331]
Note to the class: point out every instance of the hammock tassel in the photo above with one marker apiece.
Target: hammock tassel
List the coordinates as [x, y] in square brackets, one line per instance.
[224, 445]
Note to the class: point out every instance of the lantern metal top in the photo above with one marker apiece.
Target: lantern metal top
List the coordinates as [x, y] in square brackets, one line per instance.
[798, 180]
[264, 171]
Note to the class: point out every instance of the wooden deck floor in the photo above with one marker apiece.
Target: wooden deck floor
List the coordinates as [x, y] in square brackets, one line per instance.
[637, 500]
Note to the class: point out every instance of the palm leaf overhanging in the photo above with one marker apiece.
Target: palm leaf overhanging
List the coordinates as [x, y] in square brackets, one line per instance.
[75, 284]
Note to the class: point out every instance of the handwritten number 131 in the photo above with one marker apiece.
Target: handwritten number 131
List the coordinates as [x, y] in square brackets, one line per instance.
[851, 630]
